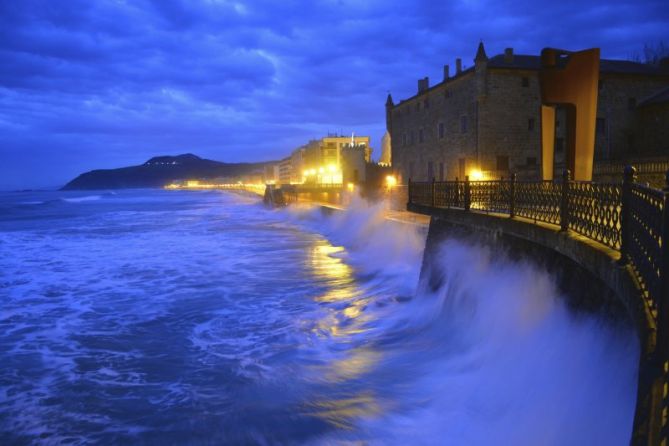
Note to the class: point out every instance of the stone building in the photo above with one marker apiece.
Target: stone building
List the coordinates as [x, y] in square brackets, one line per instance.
[653, 117]
[285, 171]
[485, 120]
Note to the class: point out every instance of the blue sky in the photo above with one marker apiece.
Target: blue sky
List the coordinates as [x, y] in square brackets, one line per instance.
[99, 84]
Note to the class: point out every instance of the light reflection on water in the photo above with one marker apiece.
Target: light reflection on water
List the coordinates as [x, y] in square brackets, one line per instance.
[203, 318]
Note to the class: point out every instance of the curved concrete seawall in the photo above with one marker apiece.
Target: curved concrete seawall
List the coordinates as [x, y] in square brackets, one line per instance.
[587, 273]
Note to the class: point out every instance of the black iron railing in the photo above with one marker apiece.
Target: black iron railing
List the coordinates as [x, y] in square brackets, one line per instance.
[628, 217]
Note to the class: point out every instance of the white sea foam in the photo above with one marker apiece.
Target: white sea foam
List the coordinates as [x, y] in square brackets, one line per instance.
[494, 356]
[82, 199]
[32, 202]
[215, 306]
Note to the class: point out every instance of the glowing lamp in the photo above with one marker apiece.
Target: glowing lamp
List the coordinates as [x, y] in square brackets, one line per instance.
[391, 181]
[476, 175]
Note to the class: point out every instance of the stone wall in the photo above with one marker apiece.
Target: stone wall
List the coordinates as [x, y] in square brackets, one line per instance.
[510, 125]
[652, 130]
[500, 109]
[448, 104]
[618, 135]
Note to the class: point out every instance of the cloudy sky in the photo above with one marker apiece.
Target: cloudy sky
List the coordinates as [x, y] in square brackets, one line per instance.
[98, 84]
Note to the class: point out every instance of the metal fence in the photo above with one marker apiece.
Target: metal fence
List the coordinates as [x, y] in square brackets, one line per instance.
[626, 216]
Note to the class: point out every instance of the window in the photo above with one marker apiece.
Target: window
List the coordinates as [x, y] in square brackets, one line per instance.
[411, 139]
[427, 103]
[447, 94]
[531, 161]
[441, 171]
[411, 169]
[557, 124]
[502, 162]
[631, 104]
[417, 106]
[463, 124]
[404, 139]
[442, 130]
[600, 85]
[420, 135]
[526, 81]
[601, 125]
[461, 167]
[530, 124]
[430, 170]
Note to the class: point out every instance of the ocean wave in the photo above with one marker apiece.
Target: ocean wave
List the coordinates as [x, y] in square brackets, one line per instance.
[82, 199]
[32, 203]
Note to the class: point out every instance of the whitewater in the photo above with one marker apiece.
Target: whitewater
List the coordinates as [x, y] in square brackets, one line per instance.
[179, 317]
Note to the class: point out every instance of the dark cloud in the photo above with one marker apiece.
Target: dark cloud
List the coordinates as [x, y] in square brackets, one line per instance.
[108, 83]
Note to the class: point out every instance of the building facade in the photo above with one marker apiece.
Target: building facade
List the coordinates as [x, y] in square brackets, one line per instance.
[326, 161]
[485, 121]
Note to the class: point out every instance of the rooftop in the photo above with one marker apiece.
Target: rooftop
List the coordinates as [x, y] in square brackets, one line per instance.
[605, 65]
[529, 62]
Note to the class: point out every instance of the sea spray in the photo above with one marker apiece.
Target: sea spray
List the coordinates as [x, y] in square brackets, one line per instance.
[492, 356]
[204, 317]
[375, 245]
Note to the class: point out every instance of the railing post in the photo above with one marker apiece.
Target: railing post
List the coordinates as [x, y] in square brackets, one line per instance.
[433, 193]
[456, 195]
[663, 322]
[662, 348]
[564, 201]
[468, 196]
[626, 195]
[409, 192]
[512, 196]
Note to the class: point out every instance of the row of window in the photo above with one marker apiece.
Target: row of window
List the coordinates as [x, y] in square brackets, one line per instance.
[408, 139]
[441, 131]
[502, 166]
[525, 82]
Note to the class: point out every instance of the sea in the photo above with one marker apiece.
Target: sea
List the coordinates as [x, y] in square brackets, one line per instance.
[157, 317]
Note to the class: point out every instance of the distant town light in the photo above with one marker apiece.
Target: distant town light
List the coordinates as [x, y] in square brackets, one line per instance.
[321, 170]
[391, 181]
[350, 186]
[332, 168]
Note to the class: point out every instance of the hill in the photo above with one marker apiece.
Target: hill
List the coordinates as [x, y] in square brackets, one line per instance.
[161, 170]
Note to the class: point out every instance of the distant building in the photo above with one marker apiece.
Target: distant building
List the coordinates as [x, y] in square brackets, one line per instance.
[386, 150]
[271, 174]
[354, 159]
[285, 171]
[486, 119]
[329, 160]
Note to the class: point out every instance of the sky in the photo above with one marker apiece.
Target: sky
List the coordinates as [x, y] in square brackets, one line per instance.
[109, 83]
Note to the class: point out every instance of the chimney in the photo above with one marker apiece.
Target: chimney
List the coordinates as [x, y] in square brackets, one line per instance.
[423, 84]
[458, 66]
[508, 55]
[446, 72]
